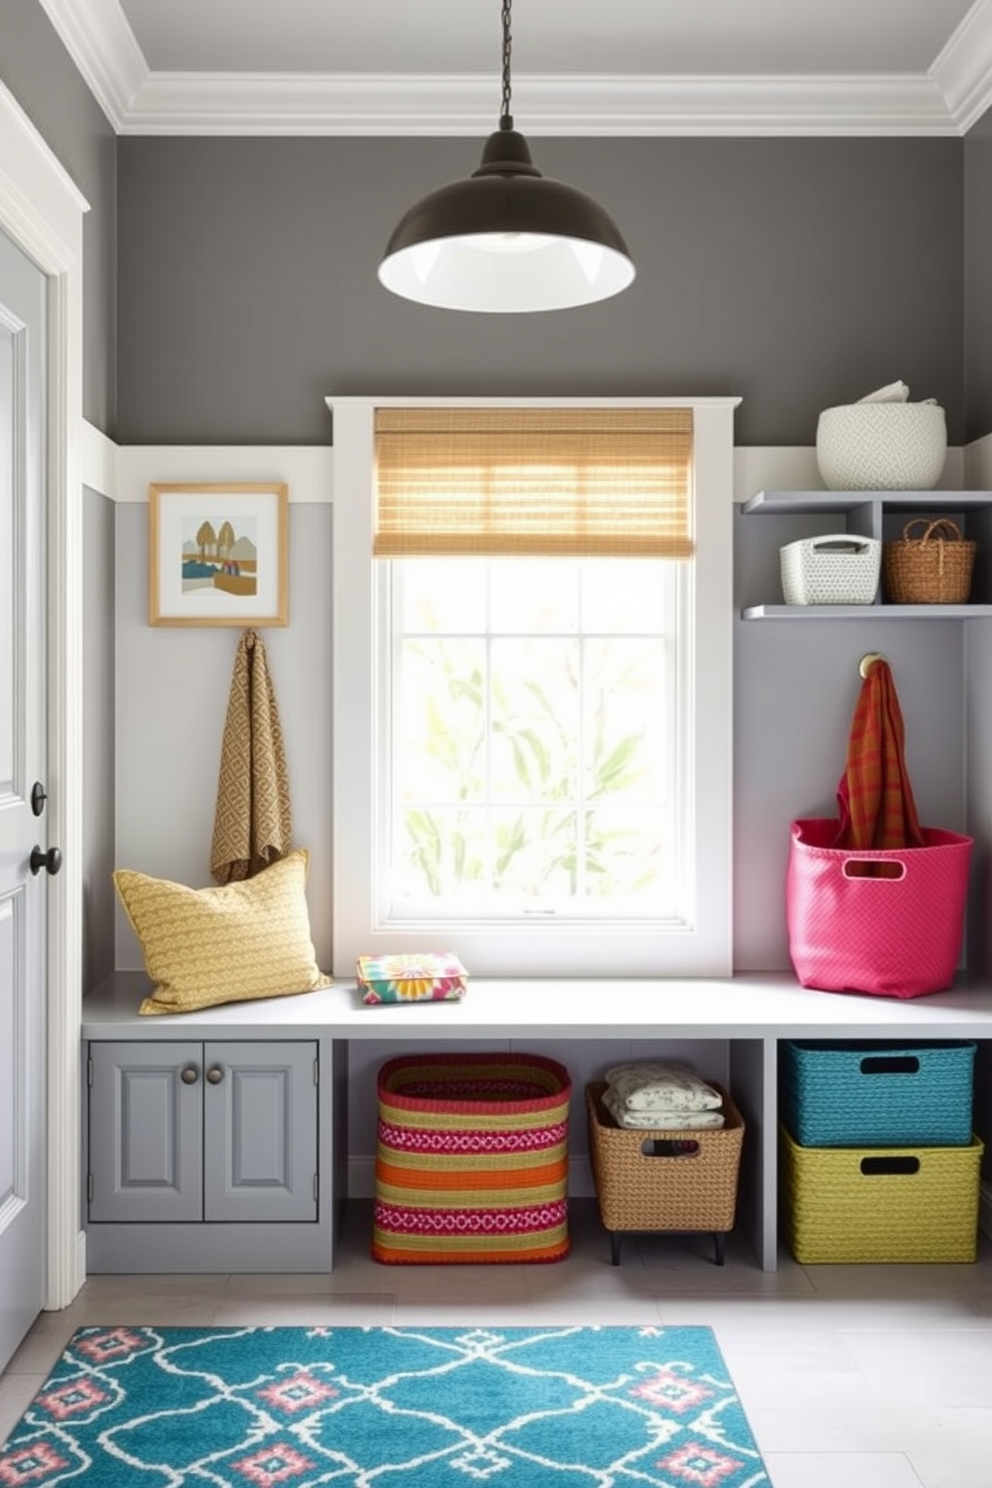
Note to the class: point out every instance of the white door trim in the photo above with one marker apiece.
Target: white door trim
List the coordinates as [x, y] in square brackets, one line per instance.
[41, 210]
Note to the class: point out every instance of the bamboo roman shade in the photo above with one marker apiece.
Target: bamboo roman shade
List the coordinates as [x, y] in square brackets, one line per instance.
[574, 482]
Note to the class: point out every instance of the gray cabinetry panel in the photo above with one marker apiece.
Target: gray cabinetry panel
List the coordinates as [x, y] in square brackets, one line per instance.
[260, 1148]
[145, 1132]
[203, 1132]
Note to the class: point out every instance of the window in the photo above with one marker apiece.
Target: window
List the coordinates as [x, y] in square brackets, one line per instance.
[532, 753]
[535, 762]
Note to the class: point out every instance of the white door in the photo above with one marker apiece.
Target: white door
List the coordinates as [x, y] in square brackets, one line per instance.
[23, 892]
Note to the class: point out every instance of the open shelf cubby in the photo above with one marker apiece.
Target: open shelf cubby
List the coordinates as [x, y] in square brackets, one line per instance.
[882, 515]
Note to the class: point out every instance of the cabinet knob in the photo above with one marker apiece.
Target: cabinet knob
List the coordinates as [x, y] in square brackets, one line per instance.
[215, 1074]
[189, 1074]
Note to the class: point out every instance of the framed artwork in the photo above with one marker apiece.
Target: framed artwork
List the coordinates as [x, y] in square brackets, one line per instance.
[218, 554]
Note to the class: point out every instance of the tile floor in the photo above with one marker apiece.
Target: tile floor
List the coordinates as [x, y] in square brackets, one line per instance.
[866, 1376]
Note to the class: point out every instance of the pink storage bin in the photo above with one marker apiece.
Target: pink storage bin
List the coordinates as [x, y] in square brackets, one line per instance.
[895, 937]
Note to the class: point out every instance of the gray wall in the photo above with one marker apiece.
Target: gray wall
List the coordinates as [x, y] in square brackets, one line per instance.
[39, 73]
[978, 278]
[99, 759]
[797, 273]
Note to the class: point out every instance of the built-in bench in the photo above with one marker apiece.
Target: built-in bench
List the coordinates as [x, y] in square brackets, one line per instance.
[750, 1014]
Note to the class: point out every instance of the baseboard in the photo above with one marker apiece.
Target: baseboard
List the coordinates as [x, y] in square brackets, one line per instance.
[80, 1277]
[203, 1248]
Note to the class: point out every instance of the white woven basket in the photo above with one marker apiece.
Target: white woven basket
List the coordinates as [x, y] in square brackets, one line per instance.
[839, 569]
[881, 446]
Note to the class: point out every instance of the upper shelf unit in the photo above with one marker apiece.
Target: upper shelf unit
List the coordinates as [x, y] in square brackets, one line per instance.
[881, 515]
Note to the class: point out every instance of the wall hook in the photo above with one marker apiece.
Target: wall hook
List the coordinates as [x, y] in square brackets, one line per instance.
[867, 662]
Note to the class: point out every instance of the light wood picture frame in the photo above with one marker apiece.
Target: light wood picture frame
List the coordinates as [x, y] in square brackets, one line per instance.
[218, 553]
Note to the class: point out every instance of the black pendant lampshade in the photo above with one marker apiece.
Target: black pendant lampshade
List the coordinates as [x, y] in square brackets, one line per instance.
[506, 239]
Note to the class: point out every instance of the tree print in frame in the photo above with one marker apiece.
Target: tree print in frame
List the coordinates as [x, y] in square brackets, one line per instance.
[218, 553]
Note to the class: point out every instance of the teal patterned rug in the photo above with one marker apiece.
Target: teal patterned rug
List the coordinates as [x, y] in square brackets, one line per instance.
[575, 1407]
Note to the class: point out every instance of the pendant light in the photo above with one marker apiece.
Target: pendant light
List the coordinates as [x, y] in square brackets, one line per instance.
[506, 239]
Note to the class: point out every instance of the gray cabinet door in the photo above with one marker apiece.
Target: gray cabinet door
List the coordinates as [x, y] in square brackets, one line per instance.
[146, 1132]
[260, 1131]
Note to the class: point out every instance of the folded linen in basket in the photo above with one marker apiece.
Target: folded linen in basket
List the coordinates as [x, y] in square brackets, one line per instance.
[661, 1085]
[661, 1120]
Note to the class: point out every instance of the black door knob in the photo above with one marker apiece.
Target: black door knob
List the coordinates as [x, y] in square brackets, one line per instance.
[51, 860]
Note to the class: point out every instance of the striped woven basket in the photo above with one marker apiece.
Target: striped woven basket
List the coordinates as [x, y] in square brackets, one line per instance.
[471, 1159]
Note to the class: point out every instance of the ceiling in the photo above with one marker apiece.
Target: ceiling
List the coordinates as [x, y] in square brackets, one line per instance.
[579, 66]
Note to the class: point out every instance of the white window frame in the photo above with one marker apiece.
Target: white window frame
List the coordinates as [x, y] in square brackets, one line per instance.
[591, 950]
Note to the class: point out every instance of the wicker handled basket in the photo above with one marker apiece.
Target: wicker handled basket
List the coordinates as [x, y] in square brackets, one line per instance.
[932, 569]
[639, 1187]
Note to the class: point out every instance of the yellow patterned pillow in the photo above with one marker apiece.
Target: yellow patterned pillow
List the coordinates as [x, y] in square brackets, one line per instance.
[228, 944]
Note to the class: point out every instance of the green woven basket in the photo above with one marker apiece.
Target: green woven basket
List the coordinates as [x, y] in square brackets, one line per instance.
[843, 1204]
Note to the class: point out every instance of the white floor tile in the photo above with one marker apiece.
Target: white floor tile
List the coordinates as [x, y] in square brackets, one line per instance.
[16, 1393]
[453, 1314]
[768, 1317]
[951, 1448]
[268, 1286]
[898, 1282]
[951, 1367]
[829, 1428]
[355, 1311]
[799, 1371]
[828, 1470]
[154, 1309]
[44, 1343]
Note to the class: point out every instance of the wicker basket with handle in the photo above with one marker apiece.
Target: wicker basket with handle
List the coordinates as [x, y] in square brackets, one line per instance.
[932, 569]
[664, 1179]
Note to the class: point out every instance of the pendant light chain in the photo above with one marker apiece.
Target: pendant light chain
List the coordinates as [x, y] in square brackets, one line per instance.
[505, 116]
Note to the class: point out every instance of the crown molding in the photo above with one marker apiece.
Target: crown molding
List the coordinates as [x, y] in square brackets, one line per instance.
[21, 192]
[963, 69]
[944, 101]
[98, 38]
[201, 103]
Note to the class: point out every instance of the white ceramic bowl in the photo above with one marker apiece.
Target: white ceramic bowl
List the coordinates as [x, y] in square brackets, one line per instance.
[881, 446]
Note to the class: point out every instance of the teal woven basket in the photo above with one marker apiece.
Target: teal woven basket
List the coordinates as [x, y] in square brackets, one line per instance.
[871, 1094]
